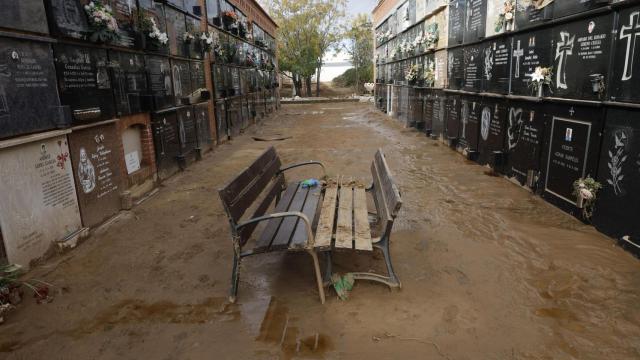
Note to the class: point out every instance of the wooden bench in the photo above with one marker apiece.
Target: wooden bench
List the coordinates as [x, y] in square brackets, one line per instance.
[342, 213]
[288, 228]
[344, 222]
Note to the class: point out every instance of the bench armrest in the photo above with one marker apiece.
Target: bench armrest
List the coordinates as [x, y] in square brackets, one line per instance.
[310, 239]
[304, 163]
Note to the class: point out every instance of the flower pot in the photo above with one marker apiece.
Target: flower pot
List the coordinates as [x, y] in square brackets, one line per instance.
[580, 202]
[509, 26]
[540, 90]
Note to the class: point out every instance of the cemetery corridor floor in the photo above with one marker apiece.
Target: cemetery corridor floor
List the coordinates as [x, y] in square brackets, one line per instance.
[489, 271]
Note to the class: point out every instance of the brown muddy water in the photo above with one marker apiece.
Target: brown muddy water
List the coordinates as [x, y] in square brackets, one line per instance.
[489, 271]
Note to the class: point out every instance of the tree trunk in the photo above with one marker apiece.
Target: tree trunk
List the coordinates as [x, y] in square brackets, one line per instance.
[297, 84]
[318, 81]
[308, 81]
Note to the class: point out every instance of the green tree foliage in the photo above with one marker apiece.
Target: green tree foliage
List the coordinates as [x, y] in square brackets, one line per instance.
[307, 30]
[359, 46]
[348, 78]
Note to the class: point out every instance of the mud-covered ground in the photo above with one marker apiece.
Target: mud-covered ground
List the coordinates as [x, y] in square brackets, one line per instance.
[489, 271]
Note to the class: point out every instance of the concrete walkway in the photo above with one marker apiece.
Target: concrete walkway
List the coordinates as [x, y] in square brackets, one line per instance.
[489, 271]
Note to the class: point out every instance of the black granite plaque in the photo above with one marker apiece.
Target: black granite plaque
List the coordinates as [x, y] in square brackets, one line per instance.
[84, 82]
[456, 21]
[625, 79]
[222, 128]
[68, 18]
[455, 68]
[453, 105]
[470, 113]
[181, 77]
[159, 79]
[439, 113]
[475, 20]
[529, 50]
[187, 133]
[427, 111]
[525, 136]
[125, 12]
[235, 81]
[28, 94]
[203, 128]
[195, 47]
[197, 75]
[581, 58]
[27, 15]
[570, 7]
[176, 29]
[166, 140]
[618, 204]
[473, 68]
[234, 120]
[219, 83]
[530, 13]
[493, 130]
[572, 149]
[129, 82]
[496, 65]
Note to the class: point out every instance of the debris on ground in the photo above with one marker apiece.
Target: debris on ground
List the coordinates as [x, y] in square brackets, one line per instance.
[310, 183]
[342, 284]
[256, 138]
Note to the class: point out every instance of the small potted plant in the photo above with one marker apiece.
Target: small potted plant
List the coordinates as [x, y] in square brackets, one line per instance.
[242, 30]
[506, 15]
[597, 84]
[412, 74]
[430, 76]
[206, 41]
[540, 78]
[586, 191]
[150, 29]
[188, 37]
[229, 20]
[102, 23]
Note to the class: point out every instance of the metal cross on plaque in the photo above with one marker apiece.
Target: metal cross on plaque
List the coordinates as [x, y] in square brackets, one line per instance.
[563, 50]
[630, 33]
[518, 53]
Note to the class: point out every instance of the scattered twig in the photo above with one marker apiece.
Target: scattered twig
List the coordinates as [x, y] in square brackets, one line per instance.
[423, 341]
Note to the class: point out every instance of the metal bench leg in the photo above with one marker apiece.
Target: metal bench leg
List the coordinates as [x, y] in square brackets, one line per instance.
[316, 266]
[235, 278]
[328, 271]
[383, 245]
[392, 280]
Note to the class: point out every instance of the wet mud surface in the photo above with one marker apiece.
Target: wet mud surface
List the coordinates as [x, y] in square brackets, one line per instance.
[489, 271]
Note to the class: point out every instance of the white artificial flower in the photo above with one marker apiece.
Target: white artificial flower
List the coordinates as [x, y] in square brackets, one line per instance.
[586, 194]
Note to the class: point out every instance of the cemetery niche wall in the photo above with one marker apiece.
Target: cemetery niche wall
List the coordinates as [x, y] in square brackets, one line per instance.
[544, 92]
[90, 101]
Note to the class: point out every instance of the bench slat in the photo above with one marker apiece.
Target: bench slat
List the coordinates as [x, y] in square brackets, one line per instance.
[378, 195]
[299, 239]
[362, 231]
[324, 232]
[237, 185]
[392, 195]
[344, 233]
[271, 229]
[283, 236]
[276, 188]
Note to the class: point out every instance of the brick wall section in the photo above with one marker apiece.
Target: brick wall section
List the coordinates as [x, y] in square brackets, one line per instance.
[382, 10]
[148, 160]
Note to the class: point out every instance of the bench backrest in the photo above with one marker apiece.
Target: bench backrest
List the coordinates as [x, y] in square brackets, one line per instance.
[243, 190]
[385, 191]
